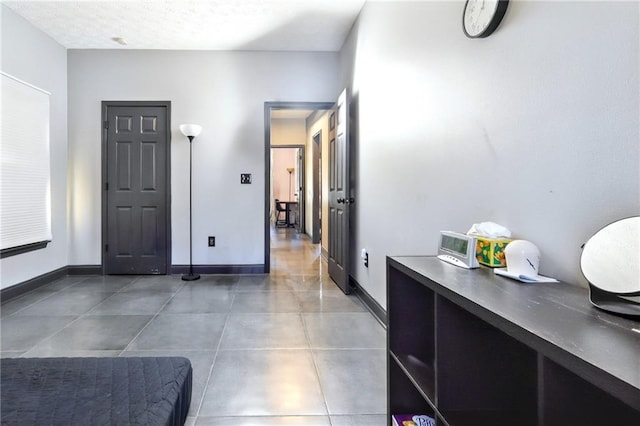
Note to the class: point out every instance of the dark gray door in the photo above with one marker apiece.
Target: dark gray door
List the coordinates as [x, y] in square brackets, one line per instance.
[316, 204]
[300, 215]
[339, 199]
[136, 186]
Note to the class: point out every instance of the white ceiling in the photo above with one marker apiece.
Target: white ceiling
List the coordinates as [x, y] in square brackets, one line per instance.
[289, 25]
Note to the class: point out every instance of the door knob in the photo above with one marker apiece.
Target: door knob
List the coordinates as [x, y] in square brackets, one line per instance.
[349, 200]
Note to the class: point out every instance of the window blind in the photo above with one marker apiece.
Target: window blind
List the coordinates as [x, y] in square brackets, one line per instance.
[25, 182]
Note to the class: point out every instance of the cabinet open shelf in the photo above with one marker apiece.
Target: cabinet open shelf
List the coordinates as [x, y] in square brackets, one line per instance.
[569, 399]
[484, 417]
[471, 348]
[420, 374]
[411, 399]
[482, 372]
[413, 345]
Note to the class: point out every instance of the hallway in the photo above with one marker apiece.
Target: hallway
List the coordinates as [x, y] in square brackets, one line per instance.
[284, 349]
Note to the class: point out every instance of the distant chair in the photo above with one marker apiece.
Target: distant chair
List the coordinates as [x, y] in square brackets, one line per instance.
[281, 214]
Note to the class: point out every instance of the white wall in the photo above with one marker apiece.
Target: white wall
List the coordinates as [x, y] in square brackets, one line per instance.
[31, 56]
[535, 127]
[225, 93]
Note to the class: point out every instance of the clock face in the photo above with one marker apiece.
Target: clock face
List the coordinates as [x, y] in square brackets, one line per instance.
[457, 245]
[482, 17]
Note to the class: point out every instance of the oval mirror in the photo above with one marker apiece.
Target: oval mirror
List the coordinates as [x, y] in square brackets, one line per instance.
[610, 259]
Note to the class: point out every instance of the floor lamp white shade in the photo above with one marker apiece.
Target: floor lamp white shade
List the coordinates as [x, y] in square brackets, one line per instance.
[190, 130]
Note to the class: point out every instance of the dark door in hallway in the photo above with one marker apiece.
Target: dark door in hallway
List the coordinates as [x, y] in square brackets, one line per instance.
[316, 202]
[136, 164]
[339, 198]
[300, 214]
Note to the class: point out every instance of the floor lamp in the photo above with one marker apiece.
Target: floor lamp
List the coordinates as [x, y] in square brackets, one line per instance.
[190, 131]
[290, 170]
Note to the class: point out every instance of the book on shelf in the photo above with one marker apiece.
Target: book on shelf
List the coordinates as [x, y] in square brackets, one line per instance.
[412, 420]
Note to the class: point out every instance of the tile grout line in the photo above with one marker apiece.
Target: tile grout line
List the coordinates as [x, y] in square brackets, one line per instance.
[44, 298]
[153, 317]
[80, 316]
[315, 366]
[215, 357]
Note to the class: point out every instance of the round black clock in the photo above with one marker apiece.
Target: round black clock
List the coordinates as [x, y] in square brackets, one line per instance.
[482, 17]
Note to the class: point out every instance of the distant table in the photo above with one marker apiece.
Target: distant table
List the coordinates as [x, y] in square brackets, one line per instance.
[289, 205]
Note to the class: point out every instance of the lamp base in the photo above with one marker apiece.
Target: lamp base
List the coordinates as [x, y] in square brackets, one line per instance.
[190, 277]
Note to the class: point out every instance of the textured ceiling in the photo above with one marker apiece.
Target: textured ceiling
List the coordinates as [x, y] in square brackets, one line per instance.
[290, 25]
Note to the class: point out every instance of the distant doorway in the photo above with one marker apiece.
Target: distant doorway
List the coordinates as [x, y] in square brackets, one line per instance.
[272, 109]
[287, 186]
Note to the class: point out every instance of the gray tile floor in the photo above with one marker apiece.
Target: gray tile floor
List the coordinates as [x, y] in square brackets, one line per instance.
[284, 349]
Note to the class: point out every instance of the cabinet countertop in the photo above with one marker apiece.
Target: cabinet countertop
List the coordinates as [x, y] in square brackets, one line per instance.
[556, 319]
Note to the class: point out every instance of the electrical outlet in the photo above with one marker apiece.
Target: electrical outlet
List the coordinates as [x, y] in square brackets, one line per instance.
[365, 257]
[212, 241]
[245, 178]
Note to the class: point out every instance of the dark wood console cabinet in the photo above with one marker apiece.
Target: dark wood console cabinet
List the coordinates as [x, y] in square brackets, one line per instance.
[471, 348]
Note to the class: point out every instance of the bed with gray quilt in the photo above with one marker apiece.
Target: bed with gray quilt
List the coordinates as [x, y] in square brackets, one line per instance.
[95, 391]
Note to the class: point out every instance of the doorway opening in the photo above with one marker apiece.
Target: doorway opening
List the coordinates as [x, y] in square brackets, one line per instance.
[290, 128]
[287, 186]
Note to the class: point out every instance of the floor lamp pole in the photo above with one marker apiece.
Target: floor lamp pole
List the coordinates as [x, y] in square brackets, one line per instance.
[190, 276]
[290, 170]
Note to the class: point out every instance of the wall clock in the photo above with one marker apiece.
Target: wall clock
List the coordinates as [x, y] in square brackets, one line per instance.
[481, 17]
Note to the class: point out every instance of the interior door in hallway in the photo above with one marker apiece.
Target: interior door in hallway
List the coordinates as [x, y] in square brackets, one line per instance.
[300, 174]
[136, 173]
[339, 198]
